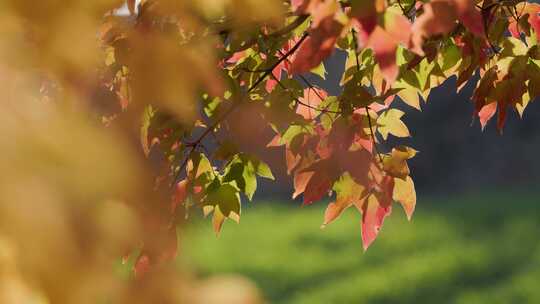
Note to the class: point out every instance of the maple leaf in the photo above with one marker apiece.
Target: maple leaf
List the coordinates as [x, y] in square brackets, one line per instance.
[383, 38]
[347, 193]
[341, 136]
[530, 11]
[311, 100]
[323, 35]
[373, 215]
[486, 113]
[365, 20]
[510, 94]
[405, 194]
[291, 159]
[385, 190]
[395, 163]
[485, 108]
[301, 179]
[320, 182]
[533, 72]
[226, 197]
[440, 17]
[470, 16]
[358, 163]
[389, 122]
[385, 48]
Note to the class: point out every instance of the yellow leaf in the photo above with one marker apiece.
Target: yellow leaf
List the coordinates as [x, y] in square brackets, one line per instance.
[347, 191]
[405, 194]
[410, 97]
[395, 163]
[217, 219]
[520, 106]
[389, 122]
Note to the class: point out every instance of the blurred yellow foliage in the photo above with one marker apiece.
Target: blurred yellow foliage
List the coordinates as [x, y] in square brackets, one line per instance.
[71, 189]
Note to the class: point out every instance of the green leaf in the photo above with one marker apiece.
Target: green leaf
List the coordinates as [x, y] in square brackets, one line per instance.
[234, 173]
[291, 133]
[226, 197]
[250, 184]
[243, 171]
[320, 71]
[450, 56]
[263, 170]
[424, 71]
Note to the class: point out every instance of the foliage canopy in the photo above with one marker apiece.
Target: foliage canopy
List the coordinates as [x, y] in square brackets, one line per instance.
[168, 107]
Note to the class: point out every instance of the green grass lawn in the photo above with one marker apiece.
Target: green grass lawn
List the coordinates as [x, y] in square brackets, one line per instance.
[483, 249]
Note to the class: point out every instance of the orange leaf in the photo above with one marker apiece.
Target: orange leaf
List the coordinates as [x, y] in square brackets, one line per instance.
[312, 98]
[333, 211]
[301, 180]
[486, 113]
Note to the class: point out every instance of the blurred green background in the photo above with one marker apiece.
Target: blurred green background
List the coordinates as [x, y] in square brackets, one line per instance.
[468, 249]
